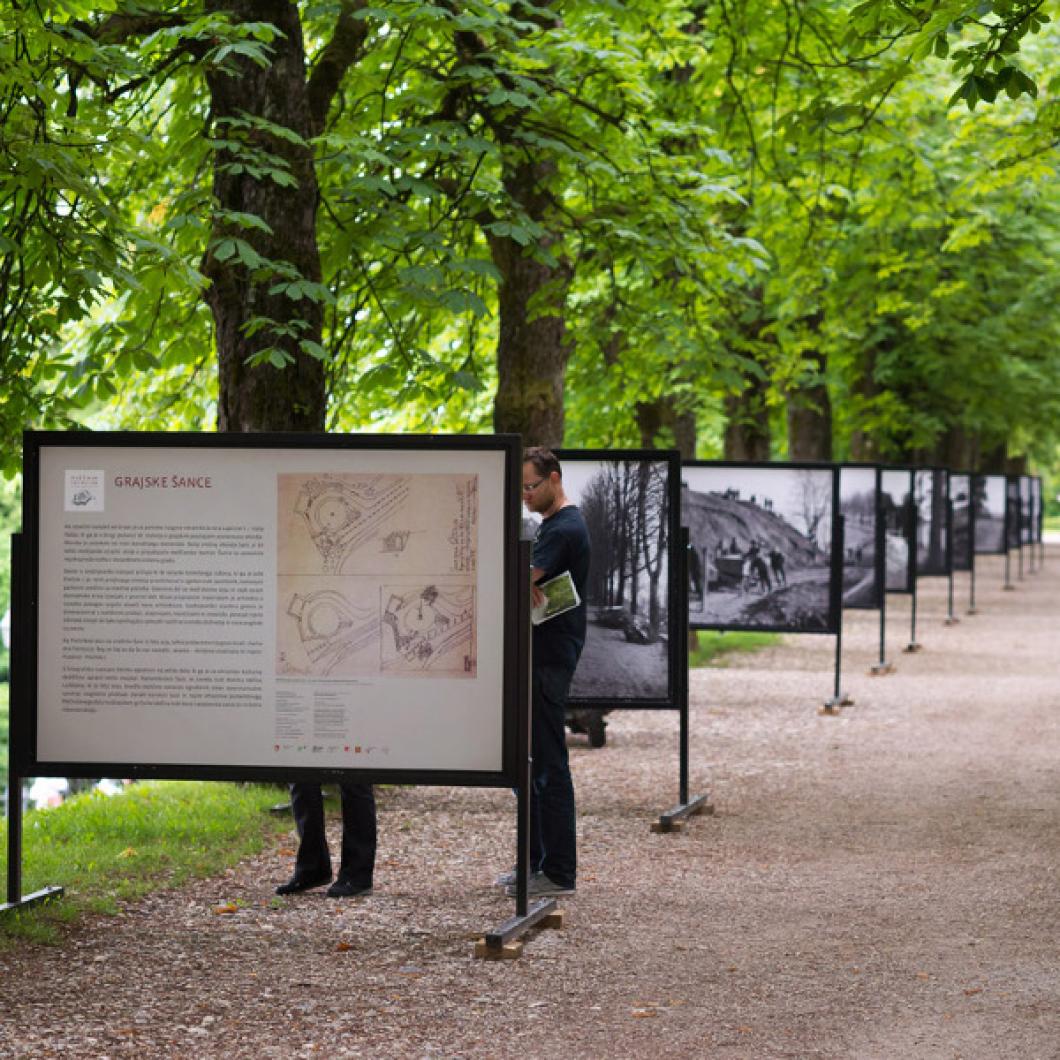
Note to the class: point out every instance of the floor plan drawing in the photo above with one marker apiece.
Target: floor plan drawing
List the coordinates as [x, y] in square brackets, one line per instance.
[343, 514]
[376, 574]
[331, 630]
[432, 628]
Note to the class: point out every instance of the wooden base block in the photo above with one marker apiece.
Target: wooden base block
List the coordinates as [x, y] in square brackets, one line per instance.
[553, 920]
[508, 952]
[674, 826]
[912, 649]
[953, 621]
[828, 710]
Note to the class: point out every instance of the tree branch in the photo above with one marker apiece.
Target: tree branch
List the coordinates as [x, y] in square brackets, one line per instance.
[339, 54]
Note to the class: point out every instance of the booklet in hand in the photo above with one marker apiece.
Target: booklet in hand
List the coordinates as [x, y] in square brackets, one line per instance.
[560, 596]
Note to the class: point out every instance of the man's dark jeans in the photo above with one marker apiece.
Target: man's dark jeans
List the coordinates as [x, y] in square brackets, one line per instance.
[553, 840]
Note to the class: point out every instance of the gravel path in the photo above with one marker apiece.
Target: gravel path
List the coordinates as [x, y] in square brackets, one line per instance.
[878, 884]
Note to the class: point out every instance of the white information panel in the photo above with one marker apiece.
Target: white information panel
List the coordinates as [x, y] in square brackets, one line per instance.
[270, 607]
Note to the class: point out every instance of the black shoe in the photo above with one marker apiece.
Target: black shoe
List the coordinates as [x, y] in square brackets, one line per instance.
[344, 888]
[302, 881]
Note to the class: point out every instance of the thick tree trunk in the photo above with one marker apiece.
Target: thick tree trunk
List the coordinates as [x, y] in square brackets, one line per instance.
[662, 425]
[263, 397]
[810, 417]
[532, 344]
[864, 448]
[748, 436]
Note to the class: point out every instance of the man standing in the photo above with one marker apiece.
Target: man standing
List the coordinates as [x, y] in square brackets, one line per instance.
[561, 544]
[312, 866]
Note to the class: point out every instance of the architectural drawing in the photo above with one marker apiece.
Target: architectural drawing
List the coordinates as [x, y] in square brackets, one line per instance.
[331, 628]
[429, 628]
[343, 513]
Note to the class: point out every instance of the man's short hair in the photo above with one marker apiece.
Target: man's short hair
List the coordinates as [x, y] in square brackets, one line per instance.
[544, 460]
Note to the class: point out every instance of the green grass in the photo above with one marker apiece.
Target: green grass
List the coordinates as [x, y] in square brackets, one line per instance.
[1051, 523]
[712, 647]
[106, 849]
[3, 734]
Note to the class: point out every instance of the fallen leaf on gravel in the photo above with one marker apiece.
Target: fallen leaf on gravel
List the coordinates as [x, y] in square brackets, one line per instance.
[923, 975]
[745, 1029]
[973, 990]
[225, 910]
[342, 947]
[643, 1013]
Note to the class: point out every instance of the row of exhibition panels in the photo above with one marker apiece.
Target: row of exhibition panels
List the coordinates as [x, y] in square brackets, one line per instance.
[307, 607]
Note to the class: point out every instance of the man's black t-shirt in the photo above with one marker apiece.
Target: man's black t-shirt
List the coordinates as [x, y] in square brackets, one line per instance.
[562, 544]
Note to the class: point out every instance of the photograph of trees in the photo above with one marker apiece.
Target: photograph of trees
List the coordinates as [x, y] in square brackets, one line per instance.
[932, 533]
[963, 540]
[898, 513]
[859, 508]
[761, 546]
[988, 499]
[627, 501]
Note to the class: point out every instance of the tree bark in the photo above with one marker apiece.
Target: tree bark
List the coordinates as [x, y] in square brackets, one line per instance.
[810, 412]
[748, 436]
[261, 396]
[662, 424]
[532, 344]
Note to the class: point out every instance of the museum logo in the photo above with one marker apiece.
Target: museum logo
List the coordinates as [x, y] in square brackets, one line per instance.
[84, 491]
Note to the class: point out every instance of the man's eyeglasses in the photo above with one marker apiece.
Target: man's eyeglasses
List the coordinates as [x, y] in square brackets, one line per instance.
[529, 487]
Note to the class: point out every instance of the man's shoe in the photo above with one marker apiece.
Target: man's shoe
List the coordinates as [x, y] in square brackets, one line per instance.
[343, 888]
[505, 879]
[541, 886]
[302, 881]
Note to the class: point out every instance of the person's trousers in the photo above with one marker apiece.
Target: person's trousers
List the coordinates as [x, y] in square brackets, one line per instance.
[357, 862]
[553, 838]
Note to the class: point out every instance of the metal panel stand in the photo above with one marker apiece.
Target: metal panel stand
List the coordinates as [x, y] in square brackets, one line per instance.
[673, 820]
[951, 618]
[913, 646]
[972, 609]
[15, 898]
[505, 941]
[882, 667]
[1008, 586]
[839, 697]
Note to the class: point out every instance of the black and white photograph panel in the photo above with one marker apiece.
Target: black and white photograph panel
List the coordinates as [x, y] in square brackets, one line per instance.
[761, 546]
[932, 523]
[626, 501]
[1026, 510]
[858, 506]
[963, 537]
[898, 515]
[1013, 516]
[988, 499]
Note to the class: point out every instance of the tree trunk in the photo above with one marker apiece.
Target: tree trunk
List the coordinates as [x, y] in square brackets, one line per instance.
[748, 436]
[810, 416]
[662, 424]
[532, 344]
[261, 396]
[864, 448]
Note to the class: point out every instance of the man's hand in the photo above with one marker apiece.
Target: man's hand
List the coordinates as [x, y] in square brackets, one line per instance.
[537, 597]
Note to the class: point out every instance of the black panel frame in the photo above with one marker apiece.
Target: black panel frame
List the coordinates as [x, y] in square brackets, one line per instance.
[880, 575]
[1004, 530]
[835, 588]
[962, 567]
[24, 706]
[675, 598]
[947, 529]
[910, 530]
